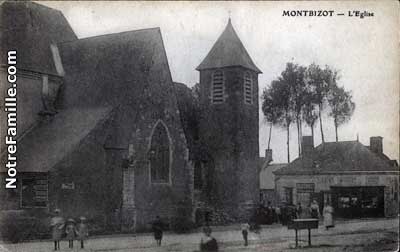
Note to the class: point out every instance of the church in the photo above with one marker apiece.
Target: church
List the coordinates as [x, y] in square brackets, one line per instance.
[105, 132]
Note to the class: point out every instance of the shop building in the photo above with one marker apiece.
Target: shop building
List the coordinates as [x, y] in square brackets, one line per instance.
[359, 181]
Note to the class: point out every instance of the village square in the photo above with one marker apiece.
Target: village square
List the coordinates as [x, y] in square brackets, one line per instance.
[113, 151]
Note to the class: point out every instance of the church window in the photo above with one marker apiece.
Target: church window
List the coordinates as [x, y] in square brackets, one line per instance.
[159, 155]
[248, 88]
[217, 89]
[198, 175]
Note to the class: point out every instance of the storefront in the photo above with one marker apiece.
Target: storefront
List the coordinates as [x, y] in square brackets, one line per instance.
[358, 181]
[358, 202]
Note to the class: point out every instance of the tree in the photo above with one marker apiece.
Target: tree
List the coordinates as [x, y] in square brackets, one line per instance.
[278, 97]
[271, 111]
[341, 106]
[319, 81]
[310, 112]
[294, 75]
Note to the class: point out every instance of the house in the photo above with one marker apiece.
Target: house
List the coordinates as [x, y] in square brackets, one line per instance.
[358, 180]
[103, 130]
[267, 179]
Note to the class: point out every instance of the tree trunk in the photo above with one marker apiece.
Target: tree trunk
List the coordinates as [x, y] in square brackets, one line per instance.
[336, 126]
[298, 135]
[269, 138]
[312, 131]
[301, 135]
[320, 122]
[288, 149]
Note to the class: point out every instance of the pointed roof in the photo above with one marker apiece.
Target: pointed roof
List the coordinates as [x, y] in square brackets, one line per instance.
[21, 23]
[228, 51]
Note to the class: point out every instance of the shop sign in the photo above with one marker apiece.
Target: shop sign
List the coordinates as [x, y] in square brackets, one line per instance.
[372, 180]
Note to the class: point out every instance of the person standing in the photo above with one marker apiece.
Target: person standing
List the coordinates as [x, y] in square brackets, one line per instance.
[314, 209]
[208, 243]
[328, 216]
[299, 211]
[82, 231]
[278, 214]
[270, 214]
[57, 228]
[70, 232]
[158, 230]
[245, 232]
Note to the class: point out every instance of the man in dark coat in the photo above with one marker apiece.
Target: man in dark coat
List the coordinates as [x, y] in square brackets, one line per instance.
[208, 243]
[158, 230]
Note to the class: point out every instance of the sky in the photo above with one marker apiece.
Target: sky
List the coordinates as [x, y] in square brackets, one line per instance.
[364, 50]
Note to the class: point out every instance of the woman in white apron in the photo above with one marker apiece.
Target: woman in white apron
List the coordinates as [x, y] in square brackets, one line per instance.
[328, 216]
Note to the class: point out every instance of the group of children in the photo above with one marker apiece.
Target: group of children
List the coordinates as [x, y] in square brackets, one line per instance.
[70, 229]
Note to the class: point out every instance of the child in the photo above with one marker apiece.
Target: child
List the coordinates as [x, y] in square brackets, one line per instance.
[245, 231]
[82, 231]
[70, 232]
[158, 230]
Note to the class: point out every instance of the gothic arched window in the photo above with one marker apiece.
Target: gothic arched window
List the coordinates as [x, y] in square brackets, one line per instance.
[198, 175]
[217, 87]
[160, 155]
[248, 88]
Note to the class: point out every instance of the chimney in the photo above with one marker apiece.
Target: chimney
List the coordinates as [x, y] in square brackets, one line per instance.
[375, 144]
[307, 146]
[268, 155]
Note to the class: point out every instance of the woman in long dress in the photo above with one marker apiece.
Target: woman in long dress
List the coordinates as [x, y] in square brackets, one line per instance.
[57, 228]
[314, 209]
[328, 216]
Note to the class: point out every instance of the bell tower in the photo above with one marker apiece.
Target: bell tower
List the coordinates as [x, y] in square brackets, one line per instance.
[229, 124]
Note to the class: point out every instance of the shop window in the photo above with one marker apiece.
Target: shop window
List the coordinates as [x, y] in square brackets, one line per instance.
[289, 195]
[304, 193]
[217, 87]
[34, 193]
[248, 89]
[344, 202]
[160, 154]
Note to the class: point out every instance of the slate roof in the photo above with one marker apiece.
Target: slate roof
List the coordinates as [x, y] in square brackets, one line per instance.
[100, 73]
[188, 114]
[267, 178]
[346, 156]
[30, 28]
[228, 51]
[42, 148]
[109, 69]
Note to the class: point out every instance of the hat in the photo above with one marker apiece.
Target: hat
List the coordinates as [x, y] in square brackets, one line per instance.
[82, 218]
[70, 220]
[57, 210]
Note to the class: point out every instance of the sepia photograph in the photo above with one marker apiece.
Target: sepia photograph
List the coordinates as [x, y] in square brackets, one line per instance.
[192, 126]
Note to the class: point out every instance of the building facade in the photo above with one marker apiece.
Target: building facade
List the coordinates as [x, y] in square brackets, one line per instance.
[357, 180]
[267, 179]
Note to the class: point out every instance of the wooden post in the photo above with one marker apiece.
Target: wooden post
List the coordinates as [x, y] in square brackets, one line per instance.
[296, 236]
[309, 237]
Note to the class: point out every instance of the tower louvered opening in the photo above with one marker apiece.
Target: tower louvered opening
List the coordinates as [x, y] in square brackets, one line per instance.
[248, 89]
[218, 89]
